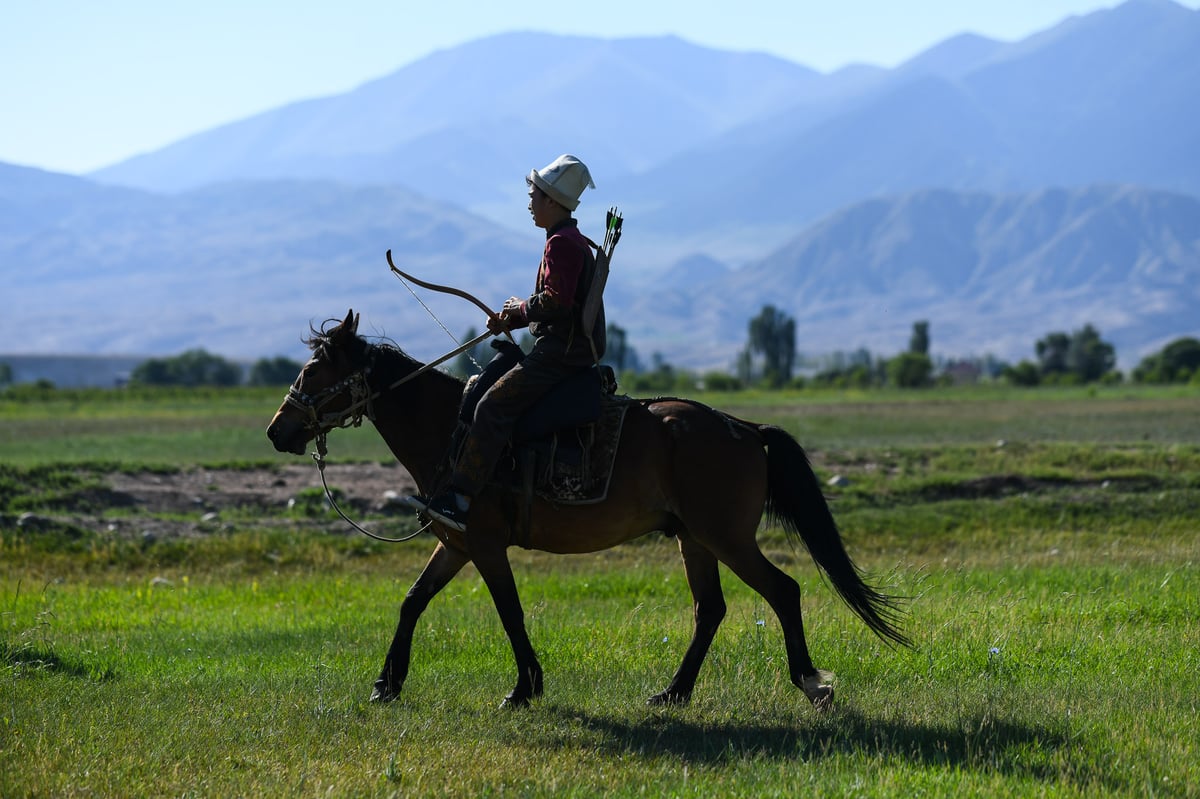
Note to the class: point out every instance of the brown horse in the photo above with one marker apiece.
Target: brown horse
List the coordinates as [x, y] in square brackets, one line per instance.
[681, 468]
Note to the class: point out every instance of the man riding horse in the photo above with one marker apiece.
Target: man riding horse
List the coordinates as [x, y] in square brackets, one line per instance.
[699, 475]
[553, 314]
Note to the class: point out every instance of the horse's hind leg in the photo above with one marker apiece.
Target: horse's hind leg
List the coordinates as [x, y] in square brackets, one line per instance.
[708, 604]
[783, 595]
[443, 564]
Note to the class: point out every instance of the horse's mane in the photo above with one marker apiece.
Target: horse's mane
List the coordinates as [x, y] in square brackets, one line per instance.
[323, 338]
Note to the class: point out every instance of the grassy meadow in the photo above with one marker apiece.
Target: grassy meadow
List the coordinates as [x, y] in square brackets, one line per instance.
[1048, 542]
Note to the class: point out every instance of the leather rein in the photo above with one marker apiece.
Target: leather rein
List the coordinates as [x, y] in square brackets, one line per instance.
[361, 404]
[362, 399]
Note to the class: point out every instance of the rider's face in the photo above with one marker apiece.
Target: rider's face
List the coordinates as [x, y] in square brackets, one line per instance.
[541, 207]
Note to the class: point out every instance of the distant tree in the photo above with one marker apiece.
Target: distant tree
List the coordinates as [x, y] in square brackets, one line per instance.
[277, 371]
[40, 389]
[1025, 373]
[910, 370]
[720, 381]
[744, 366]
[192, 368]
[1052, 353]
[619, 353]
[154, 372]
[1088, 357]
[6, 374]
[1178, 362]
[918, 343]
[773, 335]
[470, 362]
[861, 376]
[662, 377]
[857, 369]
[1079, 357]
[857, 376]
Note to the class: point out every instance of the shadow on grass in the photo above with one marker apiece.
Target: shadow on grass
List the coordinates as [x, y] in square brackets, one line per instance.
[26, 659]
[983, 744]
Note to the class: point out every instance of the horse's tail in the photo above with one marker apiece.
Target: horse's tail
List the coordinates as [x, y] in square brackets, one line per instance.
[795, 502]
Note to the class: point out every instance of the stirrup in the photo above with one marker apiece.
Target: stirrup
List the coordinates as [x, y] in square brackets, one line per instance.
[444, 510]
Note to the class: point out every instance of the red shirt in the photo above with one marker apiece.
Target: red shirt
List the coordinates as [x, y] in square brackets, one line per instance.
[563, 261]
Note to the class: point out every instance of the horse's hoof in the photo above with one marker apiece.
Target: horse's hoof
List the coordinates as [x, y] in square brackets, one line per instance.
[514, 702]
[821, 698]
[819, 690]
[383, 694]
[525, 689]
[667, 698]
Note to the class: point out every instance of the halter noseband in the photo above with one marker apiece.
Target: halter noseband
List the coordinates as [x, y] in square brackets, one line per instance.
[361, 400]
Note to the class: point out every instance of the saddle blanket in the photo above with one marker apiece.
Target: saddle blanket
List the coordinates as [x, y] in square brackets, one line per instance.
[578, 472]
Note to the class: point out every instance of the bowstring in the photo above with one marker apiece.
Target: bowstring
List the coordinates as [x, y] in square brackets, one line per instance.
[429, 311]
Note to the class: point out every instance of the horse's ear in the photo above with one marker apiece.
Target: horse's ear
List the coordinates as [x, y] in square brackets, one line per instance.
[350, 324]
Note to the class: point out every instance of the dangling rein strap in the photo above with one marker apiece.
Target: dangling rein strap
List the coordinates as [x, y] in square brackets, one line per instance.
[319, 457]
[310, 406]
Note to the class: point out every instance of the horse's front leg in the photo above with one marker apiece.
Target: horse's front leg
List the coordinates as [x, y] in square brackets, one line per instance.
[443, 564]
[490, 556]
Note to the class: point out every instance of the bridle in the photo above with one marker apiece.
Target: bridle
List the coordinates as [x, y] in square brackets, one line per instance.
[320, 424]
[361, 400]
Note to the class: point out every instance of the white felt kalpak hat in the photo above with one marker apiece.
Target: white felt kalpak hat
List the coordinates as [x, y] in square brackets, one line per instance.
[563, 179]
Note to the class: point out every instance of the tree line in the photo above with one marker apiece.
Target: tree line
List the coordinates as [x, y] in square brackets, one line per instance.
[199, 367]
[769, 360]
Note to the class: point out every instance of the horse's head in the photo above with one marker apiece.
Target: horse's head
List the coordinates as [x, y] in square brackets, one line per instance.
[330, 391]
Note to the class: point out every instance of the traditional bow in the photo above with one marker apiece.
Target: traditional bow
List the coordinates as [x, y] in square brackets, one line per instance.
[451, 290]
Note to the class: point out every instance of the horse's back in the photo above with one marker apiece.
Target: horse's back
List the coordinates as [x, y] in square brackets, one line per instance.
[718, 468]
[696, 430]
[678, 461]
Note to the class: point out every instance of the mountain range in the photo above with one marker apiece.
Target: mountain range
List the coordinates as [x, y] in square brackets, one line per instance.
[998, 190]
[992, 273]
[239, 268]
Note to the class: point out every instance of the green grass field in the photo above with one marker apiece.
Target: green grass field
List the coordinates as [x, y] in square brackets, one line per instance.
[1053, 585]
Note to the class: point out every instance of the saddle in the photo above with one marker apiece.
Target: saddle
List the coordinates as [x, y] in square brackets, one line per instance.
[572, 403]
[563, 447]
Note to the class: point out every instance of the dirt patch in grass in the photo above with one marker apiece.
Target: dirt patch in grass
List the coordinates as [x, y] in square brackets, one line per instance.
[197, 501]
[1004, 485]
[363, 485]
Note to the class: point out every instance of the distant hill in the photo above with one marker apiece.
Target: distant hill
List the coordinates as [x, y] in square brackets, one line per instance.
[238, 268]
[241, 269]
[991, 273]
[466, 124]
[673, 131]
[998, 190]
[1105, 98]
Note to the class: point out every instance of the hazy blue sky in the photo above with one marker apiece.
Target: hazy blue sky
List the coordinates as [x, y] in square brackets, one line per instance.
[86, 84]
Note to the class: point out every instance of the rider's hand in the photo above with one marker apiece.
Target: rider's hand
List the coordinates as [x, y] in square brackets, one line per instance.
[512, 316]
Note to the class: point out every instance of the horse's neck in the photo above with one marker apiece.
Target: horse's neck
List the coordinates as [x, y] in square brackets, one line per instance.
[416, 421]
